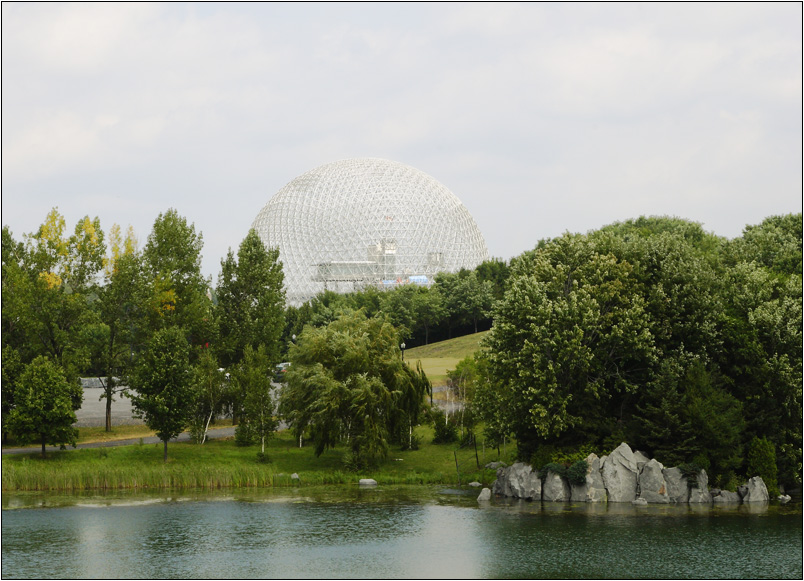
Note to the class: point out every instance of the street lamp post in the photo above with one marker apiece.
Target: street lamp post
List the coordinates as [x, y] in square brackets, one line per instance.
[402, 347]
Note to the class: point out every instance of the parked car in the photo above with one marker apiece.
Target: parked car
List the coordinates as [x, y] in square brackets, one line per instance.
[280, 370]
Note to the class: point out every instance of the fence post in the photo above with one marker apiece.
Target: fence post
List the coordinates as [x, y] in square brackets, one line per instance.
[455, 454]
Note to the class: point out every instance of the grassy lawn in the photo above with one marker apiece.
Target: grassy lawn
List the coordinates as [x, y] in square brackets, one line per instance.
[221, 464]
[459, 348]
[438, 358]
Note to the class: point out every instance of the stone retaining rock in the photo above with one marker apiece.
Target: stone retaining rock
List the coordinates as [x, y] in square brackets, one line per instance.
[595, 489]
[757, 491]
[620, 474]
[555, 488]
[616, 478]
[701, 493]
[651, 484]
[677, 489]
[726, 497]
[484, 496]
[518, 480]
[641, 459]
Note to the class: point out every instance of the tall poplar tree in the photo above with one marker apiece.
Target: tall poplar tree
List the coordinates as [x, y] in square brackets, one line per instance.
[251, 301]
[179, 292]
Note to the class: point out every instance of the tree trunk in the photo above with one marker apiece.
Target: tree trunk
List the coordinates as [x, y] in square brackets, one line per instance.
[109, 410]
[165, 450]
[206, 428]
[43, 445]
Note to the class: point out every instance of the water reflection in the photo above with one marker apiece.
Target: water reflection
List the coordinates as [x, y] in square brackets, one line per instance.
[416, 532]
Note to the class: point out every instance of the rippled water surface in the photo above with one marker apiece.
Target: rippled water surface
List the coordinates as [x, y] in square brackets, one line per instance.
[388, 533]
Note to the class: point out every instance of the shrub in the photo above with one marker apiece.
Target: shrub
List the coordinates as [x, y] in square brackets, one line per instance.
[445, 431]
[412, 442]
[762, 462]
[576, 473]
[244, 435]
[553, 467]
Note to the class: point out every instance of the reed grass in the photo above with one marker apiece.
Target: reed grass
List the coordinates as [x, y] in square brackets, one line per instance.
[221, 464]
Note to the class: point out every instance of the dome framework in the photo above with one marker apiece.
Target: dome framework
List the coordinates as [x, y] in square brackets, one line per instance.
[356, 223]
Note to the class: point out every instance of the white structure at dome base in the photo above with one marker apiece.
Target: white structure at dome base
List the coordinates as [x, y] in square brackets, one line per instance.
[362, 222]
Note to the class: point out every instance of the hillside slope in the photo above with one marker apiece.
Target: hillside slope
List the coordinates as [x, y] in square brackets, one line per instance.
[438, 358]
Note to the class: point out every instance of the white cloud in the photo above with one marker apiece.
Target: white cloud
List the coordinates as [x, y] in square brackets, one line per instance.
[541, 117]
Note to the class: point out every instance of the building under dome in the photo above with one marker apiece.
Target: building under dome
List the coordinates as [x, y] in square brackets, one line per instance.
[356, 223]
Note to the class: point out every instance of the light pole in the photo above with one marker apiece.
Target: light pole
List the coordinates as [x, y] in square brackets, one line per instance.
[402, 347]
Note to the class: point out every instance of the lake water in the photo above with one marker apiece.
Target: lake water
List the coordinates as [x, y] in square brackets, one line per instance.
[400, 532]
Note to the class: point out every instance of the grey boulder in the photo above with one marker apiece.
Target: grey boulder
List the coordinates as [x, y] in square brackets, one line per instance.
[652, 486]
[726, 497]
[619, 472]
[518, 480]
[555, 488]
[757, 491]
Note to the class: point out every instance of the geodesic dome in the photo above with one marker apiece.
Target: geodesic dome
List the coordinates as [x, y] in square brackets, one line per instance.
[364, 222]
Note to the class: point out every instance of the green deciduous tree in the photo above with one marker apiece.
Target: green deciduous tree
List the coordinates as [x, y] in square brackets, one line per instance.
[347, 382]
[251, 301]
[44, 405]
[179, 292]
[252, 377]
[210, 393]
[122, 308]
[163, 384]
[47, 285]
[570, 341]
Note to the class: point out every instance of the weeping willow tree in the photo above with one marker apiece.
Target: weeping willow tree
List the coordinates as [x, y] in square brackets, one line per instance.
[347, 383]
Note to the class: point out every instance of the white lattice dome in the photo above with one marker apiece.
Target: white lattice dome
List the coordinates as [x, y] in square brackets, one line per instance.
[363, 222]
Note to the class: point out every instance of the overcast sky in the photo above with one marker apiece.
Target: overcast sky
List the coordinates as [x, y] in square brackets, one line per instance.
[541, 118]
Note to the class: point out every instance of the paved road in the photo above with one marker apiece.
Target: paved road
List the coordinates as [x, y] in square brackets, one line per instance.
[93, 410]
[212, 434]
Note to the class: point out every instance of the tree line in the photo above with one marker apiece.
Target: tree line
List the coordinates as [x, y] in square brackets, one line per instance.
[145, 322]
[654, 332]
[455, 304]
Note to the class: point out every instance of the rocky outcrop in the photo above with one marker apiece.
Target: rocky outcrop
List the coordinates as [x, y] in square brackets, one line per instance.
[677, 488]
[725, 497]
[518, 480]
[595, 489]
[699, 491]
[555, 488]
[619, 472]
[624, 476]
[651, 484]
[641, 459]
[757, 491]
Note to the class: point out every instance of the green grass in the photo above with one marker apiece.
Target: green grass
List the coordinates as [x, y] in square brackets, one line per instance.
[221, 464]
[438, 358]
[459, 348]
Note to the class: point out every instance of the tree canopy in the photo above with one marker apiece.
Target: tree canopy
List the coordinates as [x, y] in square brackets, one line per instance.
[347, 383]
[653, 331]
